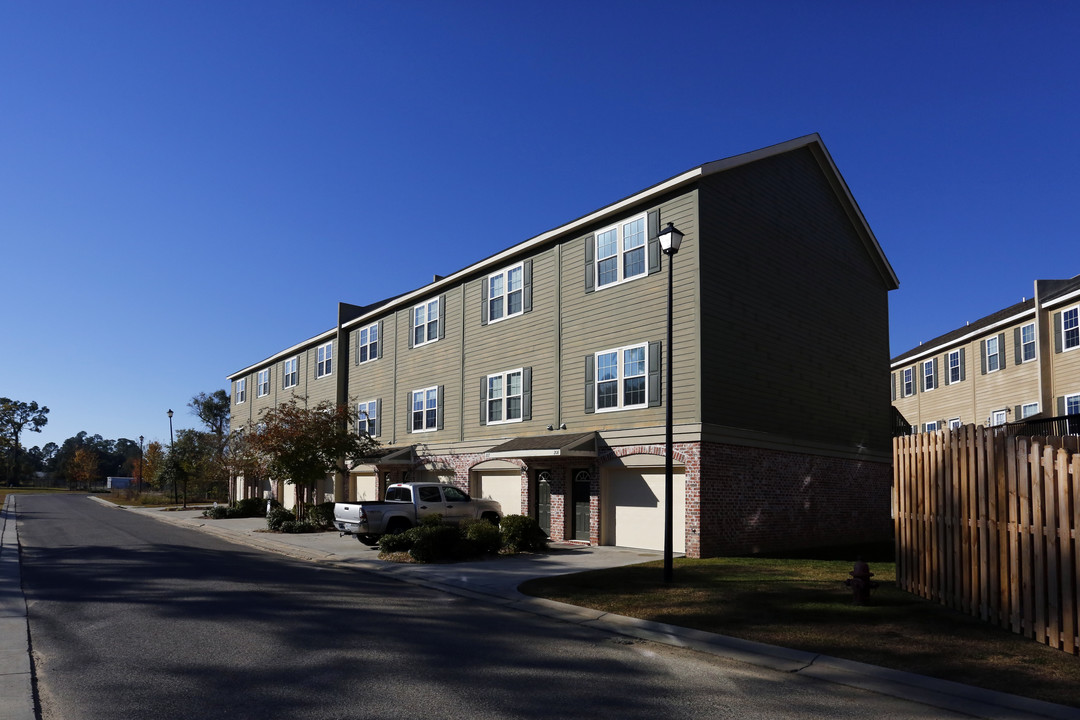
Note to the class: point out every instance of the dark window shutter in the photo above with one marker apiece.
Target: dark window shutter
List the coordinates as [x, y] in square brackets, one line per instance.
[484, 301]
[1061, 403]
[356, 347]
[590, 263]
[439, 414]
[411, 327]
[1016, 413]
[526, 393]
[378, 418]
[1057, 338]
[590, 391]
[1018, 347]
[892, 386]
[382, 339]
[916, 381]
[937, 378]
[526, 286]
[963, 364]
[408, 412]
[654, 241]
[442, 316]
[982, 355]
[1001, 351]
[483, 400]
[654, 374]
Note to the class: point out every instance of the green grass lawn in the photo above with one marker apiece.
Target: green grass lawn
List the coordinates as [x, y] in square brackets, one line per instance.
[803, 604]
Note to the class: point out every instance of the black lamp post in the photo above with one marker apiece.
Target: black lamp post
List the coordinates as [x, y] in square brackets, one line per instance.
[172, 461]
[670, 240]
[140, 465]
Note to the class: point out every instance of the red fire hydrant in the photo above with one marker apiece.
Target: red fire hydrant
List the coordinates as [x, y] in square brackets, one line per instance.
[860, 583]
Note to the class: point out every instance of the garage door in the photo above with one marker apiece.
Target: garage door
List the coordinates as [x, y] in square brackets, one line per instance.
[365, 486]
[634, 509]
[503, 487]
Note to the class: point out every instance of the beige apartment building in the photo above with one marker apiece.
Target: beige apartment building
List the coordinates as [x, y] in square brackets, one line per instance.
[536, 376]
[1020, 363]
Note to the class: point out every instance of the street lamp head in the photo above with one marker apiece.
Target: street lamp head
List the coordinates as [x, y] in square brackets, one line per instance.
[140, 439]
[169, 414]
[670, 239]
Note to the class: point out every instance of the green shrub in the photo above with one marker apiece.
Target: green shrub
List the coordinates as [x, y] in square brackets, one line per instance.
[253, 507]
[218, 512]
[299, 526]
[321, 515]
[521, 533]
[401, 542]
[432, 543]
[277, 517]
[481, 537]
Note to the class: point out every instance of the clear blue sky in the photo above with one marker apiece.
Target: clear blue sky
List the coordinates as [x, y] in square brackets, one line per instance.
[188, 187]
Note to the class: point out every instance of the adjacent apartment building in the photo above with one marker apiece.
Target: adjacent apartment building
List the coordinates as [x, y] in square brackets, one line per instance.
[1019, 363]
[535, 376]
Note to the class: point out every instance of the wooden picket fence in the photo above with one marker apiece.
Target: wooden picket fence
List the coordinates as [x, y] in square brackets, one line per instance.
[989, 524]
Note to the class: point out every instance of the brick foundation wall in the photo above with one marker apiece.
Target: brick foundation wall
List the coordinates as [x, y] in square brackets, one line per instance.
[754, 500]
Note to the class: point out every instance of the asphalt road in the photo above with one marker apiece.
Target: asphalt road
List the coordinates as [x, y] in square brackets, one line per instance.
[134, 618]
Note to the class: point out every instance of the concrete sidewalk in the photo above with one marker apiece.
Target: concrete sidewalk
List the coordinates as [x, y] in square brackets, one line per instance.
[496, 581]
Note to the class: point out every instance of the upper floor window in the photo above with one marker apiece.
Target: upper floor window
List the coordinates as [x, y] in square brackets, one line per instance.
[1072, 404]
[368, 343]
[425, 322]
[241, 390]
[505, 293]
[907, 378]
[1027, 343]
[1029, 409]
[424, 410]
[290, 376]
[367, 420]
[1070, 328]
[931, 426]
[262, 383]
[999, 417]
[954, 423]
[956, 366]
[993, 354]
[623, 378]
[620, 252]
[325, 359]
[929, 374]
[504, 397]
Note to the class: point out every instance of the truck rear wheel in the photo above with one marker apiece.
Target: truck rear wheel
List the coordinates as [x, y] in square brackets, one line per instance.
[369, 540]
[491, 518]
[397, 526]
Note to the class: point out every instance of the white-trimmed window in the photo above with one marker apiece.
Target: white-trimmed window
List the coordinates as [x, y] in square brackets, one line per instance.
[954, 423]
[262, 383]
[1072, 404]
[425, 323]
[367, 418]
[908, 381]
[290, 376]
[324, 360]
[424, 413]
[993, 354]
[504, 397]
[505, 293]
[621, 378]
[1029, 409]
[621, 252]
[368, 343]
[1027, 342]
[931, 426]
[999, 417]
[929, 378]
[1070, 328]
[241, 390]
[956, 373]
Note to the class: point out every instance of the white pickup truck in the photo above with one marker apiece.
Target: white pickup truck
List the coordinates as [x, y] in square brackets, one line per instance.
[405, 505]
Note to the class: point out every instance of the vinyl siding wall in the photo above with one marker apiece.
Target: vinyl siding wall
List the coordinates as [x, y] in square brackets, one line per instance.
[315, 390]
[528, 340]
[795, 321]
[1065, 365]
[630, 313]
[374, 379]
